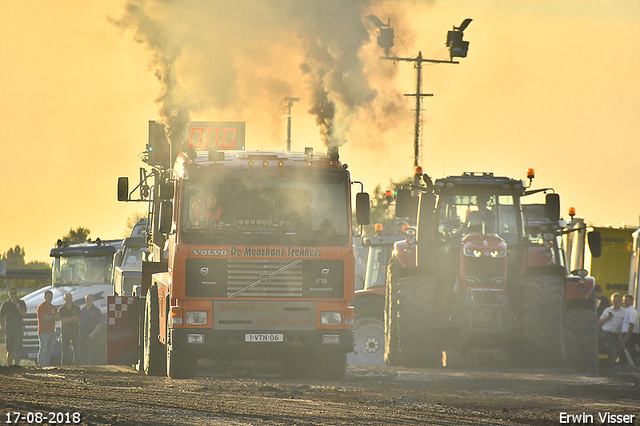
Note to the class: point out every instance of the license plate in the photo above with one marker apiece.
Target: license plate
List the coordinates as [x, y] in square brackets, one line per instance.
[264, 337]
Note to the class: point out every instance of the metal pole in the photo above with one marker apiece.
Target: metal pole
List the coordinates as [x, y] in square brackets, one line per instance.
[416, 142]
[289, 129]
[290, 102]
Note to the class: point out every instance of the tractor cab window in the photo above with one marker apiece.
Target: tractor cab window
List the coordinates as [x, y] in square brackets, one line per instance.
[377, 262]
[489, 214]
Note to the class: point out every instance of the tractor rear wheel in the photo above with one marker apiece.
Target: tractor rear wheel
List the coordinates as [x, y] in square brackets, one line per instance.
[581, 338]
[391, 350]
[418, 331]
[541, 342]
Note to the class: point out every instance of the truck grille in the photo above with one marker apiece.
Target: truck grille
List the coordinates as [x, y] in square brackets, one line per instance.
[267, 278]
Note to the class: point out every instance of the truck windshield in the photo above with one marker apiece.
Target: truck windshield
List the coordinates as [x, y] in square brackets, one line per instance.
[485, 213]
[283, 207]
[81, 270]
[132, 257]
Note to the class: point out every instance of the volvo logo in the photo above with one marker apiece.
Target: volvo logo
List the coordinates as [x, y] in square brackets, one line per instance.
[204, 270]
[325, 272]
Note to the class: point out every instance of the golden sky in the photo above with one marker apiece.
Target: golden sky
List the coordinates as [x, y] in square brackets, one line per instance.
[547, 84]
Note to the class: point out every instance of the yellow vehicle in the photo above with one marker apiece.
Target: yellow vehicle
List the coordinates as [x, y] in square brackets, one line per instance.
[611, 267]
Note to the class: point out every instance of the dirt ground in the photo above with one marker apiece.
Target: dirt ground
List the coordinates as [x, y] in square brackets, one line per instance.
[113, 395]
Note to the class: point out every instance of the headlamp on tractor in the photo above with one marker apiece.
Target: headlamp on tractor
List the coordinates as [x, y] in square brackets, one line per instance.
[196, 317]
[331, 318]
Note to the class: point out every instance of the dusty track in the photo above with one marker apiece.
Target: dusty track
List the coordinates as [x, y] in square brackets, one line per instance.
[109, 395]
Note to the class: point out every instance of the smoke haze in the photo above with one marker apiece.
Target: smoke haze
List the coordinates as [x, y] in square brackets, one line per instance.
[240, 59]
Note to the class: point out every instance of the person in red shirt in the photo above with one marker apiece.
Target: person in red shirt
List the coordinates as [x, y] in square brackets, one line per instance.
[47, 316]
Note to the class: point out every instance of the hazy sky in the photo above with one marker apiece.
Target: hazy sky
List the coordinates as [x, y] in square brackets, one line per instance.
[547, 84]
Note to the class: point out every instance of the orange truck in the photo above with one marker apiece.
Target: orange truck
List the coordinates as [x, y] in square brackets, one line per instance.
[259, 262]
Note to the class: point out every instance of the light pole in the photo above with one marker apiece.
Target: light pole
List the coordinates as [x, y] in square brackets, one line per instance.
[457, 48]
[290, 102]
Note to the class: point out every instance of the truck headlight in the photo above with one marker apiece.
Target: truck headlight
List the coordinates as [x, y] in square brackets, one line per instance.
[331, 318]
[196, 317]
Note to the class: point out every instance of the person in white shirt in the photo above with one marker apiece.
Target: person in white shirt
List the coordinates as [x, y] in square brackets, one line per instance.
[610, 323]
[630, 334]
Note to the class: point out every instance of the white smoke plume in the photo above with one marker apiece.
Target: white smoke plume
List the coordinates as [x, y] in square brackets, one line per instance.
[242, 58]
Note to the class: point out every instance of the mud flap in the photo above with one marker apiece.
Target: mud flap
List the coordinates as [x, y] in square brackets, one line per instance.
[123, 318]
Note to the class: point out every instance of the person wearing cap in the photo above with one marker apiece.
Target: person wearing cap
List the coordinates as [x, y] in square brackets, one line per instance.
[11, 314]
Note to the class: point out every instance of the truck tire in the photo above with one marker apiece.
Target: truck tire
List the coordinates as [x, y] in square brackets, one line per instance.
[369, 343]
[581, 338]
[391, 350]
[154, 359]
[179, 364]
[541, 343]
[419, 337]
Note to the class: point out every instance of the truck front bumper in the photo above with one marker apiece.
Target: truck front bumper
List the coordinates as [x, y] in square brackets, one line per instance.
[225, 344]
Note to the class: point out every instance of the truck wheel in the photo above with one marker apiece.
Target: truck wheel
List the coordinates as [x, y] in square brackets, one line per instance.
[419, 337]
[154, 359]
[179, 364]
[369, 343]
[331, 365]
[541, 321]
[391, 350]
[581, 338]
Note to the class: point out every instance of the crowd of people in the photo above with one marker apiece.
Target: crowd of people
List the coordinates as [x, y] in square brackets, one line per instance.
[80, 329]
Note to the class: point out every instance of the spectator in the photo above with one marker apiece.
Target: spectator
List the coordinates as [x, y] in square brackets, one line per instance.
[611, 325]
[11, 314]
[90, 327]
[602, 302]
[47, 316]
[70, 321]
[630, 327]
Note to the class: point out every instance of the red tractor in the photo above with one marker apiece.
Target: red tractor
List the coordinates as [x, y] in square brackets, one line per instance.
[487, 282]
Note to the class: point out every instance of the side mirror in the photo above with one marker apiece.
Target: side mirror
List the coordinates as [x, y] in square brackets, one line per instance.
[363, 208]
[582, 273]
[552, 207]
[165, 191]
[165, 219]
[123, 189]
[410, 232]
[595, 243]
[406, 204]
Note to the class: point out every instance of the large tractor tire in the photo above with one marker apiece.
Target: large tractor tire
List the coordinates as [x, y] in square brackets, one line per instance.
[391, 349]
[419, 336]
[581, 338]
[154, 356]
[369, 343]
[541, 343]
[180, 365]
